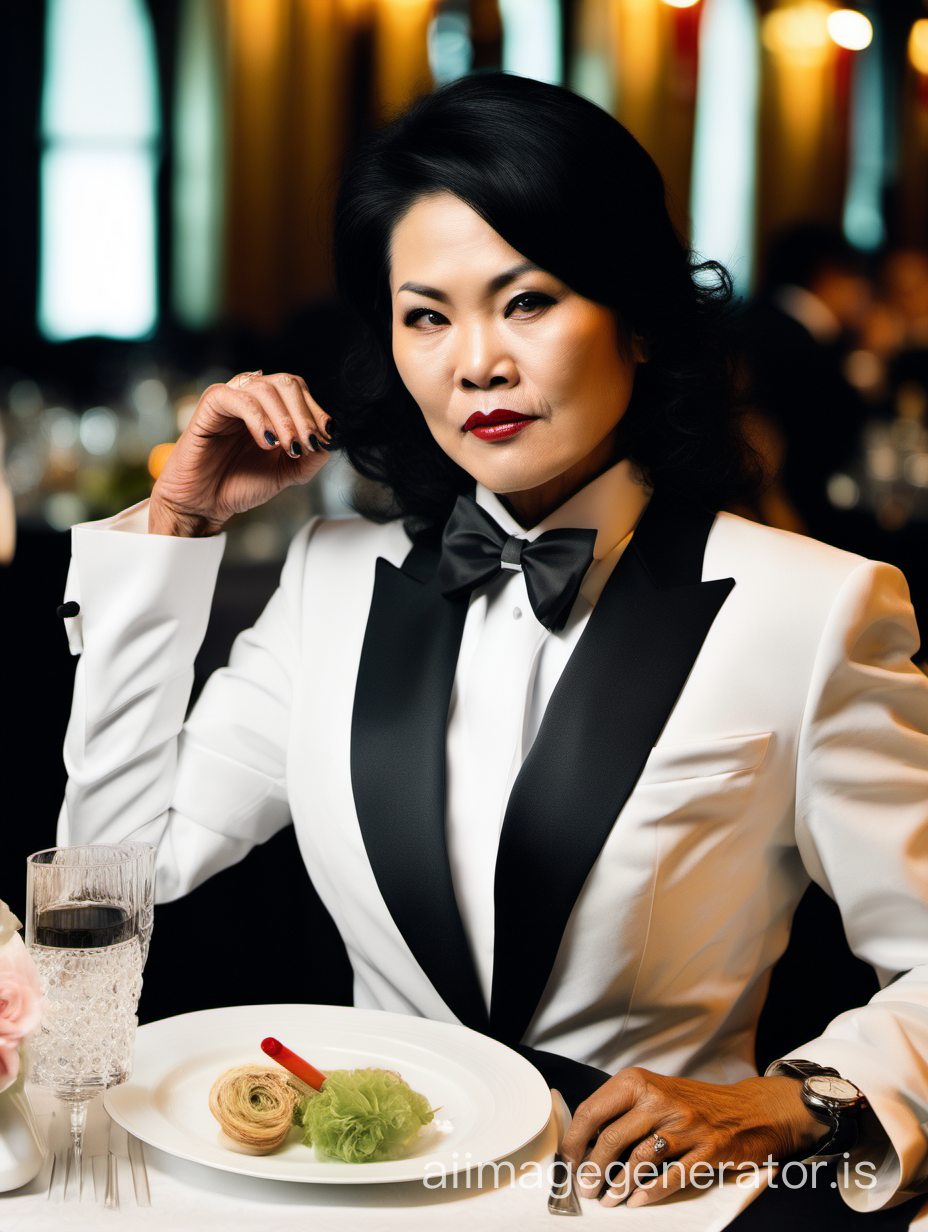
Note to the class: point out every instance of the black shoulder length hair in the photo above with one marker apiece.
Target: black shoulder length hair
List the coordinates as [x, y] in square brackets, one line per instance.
[571, 190]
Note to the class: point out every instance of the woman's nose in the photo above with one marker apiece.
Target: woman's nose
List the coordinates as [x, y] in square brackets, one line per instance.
[483, 363]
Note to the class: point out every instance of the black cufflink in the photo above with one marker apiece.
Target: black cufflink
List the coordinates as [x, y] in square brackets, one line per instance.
[68, 609]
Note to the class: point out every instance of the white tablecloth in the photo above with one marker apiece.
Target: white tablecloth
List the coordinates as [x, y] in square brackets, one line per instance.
[189, 1197]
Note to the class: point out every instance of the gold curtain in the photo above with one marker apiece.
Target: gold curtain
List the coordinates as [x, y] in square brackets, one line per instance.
[639, 57]
[912, 210]
[803, 140]
[401, 70]
[304, 77]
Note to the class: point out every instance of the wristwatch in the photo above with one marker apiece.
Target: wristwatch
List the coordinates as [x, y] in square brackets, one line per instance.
[831, 1099]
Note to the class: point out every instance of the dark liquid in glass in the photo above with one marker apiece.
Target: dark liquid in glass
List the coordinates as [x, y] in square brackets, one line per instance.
[83, 926]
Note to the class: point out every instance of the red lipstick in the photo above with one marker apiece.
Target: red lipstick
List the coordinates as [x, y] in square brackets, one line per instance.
[497, 425]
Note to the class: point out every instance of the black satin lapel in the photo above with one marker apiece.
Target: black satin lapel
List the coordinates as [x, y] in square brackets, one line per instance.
[605, 715]
[398, 728]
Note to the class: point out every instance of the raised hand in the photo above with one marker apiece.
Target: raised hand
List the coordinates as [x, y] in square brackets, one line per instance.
[247, 441]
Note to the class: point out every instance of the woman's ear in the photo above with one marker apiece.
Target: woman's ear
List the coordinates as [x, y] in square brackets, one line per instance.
[640, 351]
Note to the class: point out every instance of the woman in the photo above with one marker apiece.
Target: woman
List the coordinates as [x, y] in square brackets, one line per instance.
[590, 846]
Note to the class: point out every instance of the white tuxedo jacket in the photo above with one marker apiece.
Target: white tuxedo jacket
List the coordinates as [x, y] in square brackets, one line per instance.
[739, 716]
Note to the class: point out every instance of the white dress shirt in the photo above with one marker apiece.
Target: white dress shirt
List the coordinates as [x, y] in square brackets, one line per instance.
[507, 669]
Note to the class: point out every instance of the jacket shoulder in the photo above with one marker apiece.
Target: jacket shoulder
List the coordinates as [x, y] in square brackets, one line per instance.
[781, 555]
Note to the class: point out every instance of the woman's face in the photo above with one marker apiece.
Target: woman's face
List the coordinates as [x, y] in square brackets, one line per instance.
[522, 381]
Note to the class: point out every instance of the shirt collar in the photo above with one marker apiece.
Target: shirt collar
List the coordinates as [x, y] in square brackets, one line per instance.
[611, 505]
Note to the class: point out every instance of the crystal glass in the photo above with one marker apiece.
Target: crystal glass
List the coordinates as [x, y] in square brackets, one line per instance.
[88, 921]
[146, 855]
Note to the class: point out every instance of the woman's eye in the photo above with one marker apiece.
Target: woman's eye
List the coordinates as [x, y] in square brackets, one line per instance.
[425, 316]
[524, 305]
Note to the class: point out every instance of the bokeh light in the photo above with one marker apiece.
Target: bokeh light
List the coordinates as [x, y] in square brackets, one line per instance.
[918, 46]
[99, 428]
[850, 29]
[157, 458]
[800, 33]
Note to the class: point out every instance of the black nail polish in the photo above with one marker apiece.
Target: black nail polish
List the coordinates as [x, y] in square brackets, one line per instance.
[313, 441]
[296, 449]
[271, 438]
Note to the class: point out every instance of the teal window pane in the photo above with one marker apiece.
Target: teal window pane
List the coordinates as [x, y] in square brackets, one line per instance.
[98, 243]
[100, 129]
[532, 38]
[725, 145]
[198, 167]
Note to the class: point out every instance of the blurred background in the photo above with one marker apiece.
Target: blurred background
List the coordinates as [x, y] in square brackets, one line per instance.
[169, 170]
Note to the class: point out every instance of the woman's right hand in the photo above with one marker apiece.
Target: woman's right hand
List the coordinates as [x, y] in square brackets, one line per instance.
[247, 441]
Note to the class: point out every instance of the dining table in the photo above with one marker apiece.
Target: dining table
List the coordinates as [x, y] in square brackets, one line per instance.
[190, 1197]
[155, 1156]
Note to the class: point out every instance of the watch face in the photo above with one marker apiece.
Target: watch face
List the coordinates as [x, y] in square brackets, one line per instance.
[838, 1089]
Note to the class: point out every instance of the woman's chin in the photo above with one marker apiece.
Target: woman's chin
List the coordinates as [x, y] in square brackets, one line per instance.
[505, 468]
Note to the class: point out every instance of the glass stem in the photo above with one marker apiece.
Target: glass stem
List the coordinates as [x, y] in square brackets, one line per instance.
[78, 1109]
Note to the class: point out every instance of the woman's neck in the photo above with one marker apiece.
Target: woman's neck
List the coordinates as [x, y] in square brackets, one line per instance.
[535, 504]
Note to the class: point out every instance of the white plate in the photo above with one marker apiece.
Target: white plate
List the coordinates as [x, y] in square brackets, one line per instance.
[491, 1100]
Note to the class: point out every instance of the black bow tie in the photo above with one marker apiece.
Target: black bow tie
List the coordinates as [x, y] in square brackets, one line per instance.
[475, 550]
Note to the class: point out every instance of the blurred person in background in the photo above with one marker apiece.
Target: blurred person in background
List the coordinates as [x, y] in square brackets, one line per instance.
[904, 279]
[796, 335]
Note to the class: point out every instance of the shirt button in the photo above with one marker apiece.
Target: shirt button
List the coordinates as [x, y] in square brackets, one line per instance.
[516, 613]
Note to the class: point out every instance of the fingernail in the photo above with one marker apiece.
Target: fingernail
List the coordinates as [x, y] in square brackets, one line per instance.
[271, 438]
[322, 445]
[313, 441]
[586, 1191]
[296, 448]
[638, 1198]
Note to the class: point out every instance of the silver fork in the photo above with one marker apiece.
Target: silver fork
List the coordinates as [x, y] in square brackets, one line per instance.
[60, 1171]
[69, 1175]
[562, 1200]
[122, 1146]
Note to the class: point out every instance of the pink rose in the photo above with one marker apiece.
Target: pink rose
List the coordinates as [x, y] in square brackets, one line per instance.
[9, 1064]
[21, 994]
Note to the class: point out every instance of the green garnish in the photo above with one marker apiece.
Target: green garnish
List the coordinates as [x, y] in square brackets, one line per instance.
[362, 1115]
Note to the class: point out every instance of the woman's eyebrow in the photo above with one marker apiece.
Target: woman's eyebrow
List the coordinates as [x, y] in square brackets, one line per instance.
[418, 288]
[510, 275]
[495, 284]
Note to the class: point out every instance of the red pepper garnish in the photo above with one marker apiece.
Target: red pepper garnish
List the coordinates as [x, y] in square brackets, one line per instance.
[296, 1065]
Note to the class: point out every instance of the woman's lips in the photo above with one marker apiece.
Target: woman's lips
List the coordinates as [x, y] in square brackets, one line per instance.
[497, 425]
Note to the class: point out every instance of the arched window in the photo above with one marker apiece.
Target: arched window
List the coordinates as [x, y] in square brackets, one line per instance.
[101, 133]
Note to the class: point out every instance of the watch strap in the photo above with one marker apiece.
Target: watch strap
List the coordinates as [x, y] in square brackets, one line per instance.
[842, 1138]
[796, 1068]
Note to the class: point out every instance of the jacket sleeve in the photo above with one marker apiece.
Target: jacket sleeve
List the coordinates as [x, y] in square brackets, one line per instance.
[205, 790]
[862, 830]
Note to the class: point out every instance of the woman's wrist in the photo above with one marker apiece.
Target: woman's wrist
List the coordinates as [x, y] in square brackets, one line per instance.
[163, 520]
[805, 1129]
